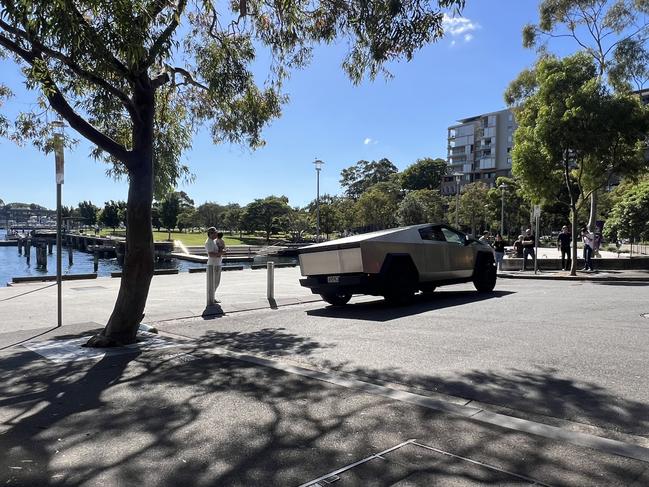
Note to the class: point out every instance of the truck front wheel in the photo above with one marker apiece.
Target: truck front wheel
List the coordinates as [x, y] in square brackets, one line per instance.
[337, 298]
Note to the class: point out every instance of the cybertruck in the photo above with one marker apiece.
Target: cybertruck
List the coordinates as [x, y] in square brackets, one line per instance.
[396, 263]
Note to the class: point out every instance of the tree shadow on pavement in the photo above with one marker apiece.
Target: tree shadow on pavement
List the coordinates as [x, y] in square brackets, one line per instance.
[381, 311]
[186, 416]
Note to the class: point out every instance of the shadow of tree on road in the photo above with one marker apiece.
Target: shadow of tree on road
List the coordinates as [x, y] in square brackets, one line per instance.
[188, 417]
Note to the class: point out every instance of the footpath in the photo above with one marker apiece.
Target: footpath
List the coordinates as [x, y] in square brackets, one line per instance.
[172, 411]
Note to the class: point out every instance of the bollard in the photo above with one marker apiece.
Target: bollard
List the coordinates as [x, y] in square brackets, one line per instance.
[50, 246]
[96, 261]
[28, 251]
[69, 254]
[20, 246]
[270, 290]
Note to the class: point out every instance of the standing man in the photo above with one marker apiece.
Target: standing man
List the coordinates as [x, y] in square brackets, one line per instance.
[589, 242]
[528, 247]
[214, 258]
[563, 245]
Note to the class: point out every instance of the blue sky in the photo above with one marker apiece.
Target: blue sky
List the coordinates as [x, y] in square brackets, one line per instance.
[327, 117]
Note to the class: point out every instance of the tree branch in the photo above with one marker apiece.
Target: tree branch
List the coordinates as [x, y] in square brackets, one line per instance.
[85, 74]
[98, 43]
[166, 34]
[169, 75]
[60, 104]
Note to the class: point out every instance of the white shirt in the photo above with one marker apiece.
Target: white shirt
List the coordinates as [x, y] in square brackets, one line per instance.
[210, 246]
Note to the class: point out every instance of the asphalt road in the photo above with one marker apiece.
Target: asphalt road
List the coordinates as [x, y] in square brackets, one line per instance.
[572, 351]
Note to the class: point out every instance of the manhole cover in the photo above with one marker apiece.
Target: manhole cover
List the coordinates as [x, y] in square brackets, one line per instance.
[88, 288]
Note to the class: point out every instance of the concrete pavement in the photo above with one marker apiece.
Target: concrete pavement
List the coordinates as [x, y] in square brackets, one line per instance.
[33, 305]
[196, 413]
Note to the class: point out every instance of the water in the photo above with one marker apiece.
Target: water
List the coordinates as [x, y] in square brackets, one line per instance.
[14, 265]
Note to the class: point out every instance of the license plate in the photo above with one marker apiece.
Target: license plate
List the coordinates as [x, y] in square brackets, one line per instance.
[333, 279]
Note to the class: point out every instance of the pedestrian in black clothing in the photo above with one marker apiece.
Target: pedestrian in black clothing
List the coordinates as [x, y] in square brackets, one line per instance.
[499, 250]
[563, 245]
[528, 247]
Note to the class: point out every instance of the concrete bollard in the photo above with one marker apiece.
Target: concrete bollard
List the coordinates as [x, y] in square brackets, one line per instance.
[270, 289]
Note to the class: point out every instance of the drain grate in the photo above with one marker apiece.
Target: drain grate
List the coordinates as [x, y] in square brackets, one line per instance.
[419, 464]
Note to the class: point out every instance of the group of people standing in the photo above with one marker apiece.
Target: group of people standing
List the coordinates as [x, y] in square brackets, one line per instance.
[523, 247]
[591, 241]
[525, 244]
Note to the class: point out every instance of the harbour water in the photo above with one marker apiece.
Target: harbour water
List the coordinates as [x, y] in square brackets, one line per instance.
[14, 265]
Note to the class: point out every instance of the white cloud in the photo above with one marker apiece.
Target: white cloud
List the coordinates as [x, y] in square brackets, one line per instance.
[459, 26]
[453, 43]
[370, 141]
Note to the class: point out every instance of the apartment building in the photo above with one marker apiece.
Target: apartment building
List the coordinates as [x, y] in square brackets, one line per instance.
[479, 149]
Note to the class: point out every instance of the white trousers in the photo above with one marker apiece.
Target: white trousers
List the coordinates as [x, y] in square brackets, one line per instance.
[213, 281]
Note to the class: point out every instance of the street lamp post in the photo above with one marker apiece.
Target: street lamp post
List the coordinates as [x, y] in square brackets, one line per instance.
[502, 187]
[59, 164]
[458, 177]
[318, 167]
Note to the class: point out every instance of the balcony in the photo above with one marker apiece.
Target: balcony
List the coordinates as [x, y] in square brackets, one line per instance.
[488, 163]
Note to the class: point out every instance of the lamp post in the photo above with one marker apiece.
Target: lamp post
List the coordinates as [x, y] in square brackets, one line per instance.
[318, 167]
[59, 164]
[458, 177]
[502, 188]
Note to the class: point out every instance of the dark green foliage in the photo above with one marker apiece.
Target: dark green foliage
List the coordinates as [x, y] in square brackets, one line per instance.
[361, 176]
[426, 173]
[88, 212]
[266, 214]
[110, 214]
[629, 218]
[169, 211]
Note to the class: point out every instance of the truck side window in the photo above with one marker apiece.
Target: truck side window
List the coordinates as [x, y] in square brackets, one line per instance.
[432, 233]
[452, 236]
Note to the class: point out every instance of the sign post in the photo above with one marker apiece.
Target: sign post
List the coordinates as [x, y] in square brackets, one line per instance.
[537, 217]
[59, 165]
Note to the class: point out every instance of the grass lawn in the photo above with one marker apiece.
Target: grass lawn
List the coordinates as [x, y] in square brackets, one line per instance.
[195, 238]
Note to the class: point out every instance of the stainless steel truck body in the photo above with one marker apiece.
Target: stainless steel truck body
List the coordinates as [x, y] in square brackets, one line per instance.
[396, 263]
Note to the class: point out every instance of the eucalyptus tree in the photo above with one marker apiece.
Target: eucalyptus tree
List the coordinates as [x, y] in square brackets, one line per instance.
[573, 132]
[613, 33]
[361, 176]
[137, 78]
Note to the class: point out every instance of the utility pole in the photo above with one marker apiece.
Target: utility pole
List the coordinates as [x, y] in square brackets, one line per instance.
[458, 177]
[502, 187]
[59, 166]
[318, 167]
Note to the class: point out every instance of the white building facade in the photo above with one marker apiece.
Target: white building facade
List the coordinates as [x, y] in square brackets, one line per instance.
[479, 150]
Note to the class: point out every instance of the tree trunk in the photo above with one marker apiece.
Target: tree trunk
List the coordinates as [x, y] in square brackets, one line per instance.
[592, 219]
[137, 270]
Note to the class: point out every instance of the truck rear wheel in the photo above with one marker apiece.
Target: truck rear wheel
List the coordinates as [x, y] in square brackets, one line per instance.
[336, 298]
